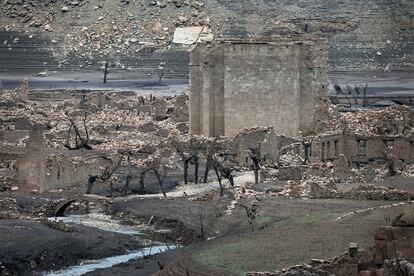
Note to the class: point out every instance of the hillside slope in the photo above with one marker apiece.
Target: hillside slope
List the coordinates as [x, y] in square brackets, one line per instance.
[363, 35]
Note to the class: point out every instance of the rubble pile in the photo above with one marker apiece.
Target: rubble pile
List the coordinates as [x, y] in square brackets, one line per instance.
[58, 225]
[324, 187]
[302, 270]
[372, 192]
[291, 155]
[30, 11]
[14, 106]
[8, 208]
[391, 121]
[106, 116]
[7, 183]
[408, 171]
[315, 187]
[343, 264]
[117, 27]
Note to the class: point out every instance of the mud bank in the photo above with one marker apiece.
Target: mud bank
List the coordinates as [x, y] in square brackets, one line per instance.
[30, 247]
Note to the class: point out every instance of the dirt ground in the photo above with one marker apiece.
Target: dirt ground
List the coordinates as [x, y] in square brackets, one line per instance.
[28, 246]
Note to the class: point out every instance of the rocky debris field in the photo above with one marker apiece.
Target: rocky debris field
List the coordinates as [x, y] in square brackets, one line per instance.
[394, 121]
[128, 137]
[99, 30]
[117, 30]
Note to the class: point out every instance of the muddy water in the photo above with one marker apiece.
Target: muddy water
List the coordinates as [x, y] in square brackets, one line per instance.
[106, 223]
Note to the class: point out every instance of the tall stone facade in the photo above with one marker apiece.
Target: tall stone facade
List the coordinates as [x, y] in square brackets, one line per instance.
[243, 84]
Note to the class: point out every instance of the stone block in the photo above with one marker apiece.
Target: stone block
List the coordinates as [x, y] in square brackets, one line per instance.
[243, 84]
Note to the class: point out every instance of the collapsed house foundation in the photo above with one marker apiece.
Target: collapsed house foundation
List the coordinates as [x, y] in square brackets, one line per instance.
[244, 84]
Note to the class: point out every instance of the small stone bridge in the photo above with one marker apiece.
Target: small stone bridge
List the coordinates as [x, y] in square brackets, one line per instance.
[58, 208]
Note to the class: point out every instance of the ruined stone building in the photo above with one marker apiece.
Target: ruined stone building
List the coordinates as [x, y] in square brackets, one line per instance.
[362, 149]
[242, 84]
[41, 169]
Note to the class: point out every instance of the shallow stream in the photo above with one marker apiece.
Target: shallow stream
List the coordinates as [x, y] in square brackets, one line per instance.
[106, 223]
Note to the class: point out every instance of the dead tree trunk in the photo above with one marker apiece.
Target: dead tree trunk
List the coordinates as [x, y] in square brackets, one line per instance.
[186, 161]
[141, 182]
[256, 172]
[231, 179]
[196, 164]
[202, 232]
[91, 182]
[127, 181]
[206, 172]
[256, 157]
[306, 151]
[160, 182]
[219, 181]
[105, 72]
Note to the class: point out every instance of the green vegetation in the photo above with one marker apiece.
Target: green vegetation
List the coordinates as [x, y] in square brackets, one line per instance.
[289, 242]
[262, 219]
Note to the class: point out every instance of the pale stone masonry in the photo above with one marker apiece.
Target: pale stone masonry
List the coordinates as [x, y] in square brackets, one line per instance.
[243, 84]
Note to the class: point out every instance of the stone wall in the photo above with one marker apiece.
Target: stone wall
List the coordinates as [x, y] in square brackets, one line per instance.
[65, 171]
[244, 84]
[263, 138]
[31, 166]
[44, 169]
[358, 149]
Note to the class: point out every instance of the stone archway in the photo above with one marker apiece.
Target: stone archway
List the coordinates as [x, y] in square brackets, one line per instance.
[103, 202]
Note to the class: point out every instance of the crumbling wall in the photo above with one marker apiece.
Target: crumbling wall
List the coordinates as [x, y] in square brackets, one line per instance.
[391, 242]
[263, 138]
[31, 167]
[180, 109]
[65, 171]
[361, 149]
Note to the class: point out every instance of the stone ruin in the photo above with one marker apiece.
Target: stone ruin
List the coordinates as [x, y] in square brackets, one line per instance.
[41, 169]
[237, 84]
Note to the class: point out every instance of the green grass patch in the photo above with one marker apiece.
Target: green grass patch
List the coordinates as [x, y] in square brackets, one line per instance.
[288, 242]
[218, 257]
[316, 217]
[262, 219]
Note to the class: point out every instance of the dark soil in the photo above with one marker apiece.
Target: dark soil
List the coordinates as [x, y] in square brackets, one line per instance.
[28, 247]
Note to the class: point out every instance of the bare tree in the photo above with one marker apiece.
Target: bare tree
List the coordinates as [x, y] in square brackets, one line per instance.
[352, 93]
[256, 157]
[106, 71]
[106, 174]
[306, 143]
[213, 146]
[160, 163]
[189, 148]
[339, 91]
[220, 163]
[141, 181]
[81, 139]
[130, 170]
[161, 71]
[214, 162]
[202, 233]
